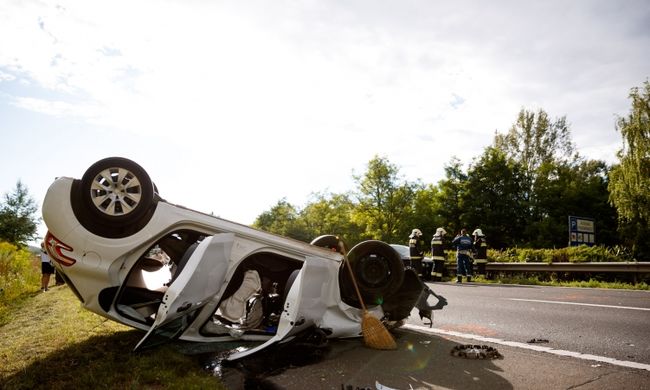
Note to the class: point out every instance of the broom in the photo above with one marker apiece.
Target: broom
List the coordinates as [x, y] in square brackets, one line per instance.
[375, 335]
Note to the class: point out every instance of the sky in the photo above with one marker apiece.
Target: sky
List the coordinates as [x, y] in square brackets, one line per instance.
[231, 106]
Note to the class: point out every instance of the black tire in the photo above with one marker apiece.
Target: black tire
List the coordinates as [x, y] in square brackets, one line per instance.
[378, 271]
[115, 198]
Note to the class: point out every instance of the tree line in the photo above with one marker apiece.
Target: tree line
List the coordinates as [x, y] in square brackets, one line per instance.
[520, 191]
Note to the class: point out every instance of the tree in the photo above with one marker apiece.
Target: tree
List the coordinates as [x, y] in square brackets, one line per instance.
[331, 214]
[546, 154]
[492, 199]
[426, 214]
[534, 139]
[18, 220]
[384, 201]
[532, 142]
[629, 184]
[283, 219]
[562, 190]
[450, 192]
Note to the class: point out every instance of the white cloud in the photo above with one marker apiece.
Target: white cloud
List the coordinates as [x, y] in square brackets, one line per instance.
[6, 76]
[56, 108]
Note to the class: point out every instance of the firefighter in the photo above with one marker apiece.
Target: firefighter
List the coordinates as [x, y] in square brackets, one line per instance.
[416, 250]
[464, 246]
[480, 247]
[438, 254]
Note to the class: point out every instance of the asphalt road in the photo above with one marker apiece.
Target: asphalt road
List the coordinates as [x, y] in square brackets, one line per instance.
[603, 322]
[597, 339]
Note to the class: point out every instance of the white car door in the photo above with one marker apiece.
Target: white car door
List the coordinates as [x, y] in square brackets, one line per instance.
[199, 280]
[305, 304]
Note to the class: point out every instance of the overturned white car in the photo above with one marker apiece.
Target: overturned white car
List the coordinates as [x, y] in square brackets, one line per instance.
[135, 258]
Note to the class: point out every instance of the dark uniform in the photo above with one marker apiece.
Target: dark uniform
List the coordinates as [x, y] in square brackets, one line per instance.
[464, 247]
[438, 254]
[480, 246]
[416, 250]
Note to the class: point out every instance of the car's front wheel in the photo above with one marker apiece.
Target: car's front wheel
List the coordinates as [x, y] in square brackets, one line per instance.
[115, 198]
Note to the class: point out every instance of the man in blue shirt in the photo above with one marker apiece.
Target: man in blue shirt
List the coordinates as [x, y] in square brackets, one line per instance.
[464, 246]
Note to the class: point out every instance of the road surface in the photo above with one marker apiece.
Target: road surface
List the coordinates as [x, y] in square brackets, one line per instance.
[597, 339]
[604, 322]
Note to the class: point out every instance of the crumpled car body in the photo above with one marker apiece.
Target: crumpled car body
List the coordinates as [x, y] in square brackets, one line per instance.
[132, 257]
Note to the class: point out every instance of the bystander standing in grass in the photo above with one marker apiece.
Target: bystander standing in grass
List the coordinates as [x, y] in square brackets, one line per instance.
[46, 268]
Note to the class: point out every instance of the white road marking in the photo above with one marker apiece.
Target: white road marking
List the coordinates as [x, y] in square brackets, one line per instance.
[559, 352]
[580, 304]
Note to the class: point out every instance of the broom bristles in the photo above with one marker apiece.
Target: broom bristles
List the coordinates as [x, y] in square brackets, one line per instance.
[375, 335]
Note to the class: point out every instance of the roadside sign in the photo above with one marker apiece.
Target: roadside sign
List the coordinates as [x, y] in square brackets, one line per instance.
[581, 231]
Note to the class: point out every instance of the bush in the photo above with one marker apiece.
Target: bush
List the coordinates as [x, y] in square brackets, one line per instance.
[575, 254]
[19, 274]
[560, 255]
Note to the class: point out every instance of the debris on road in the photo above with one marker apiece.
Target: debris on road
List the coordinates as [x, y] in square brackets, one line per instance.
[471, 351]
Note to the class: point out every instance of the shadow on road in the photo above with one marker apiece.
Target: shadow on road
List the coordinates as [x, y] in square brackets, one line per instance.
[420, 362]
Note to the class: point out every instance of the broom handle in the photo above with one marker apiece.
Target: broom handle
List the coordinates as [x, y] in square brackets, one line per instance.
[349, 267]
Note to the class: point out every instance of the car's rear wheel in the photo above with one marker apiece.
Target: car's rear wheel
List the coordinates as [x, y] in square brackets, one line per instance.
[115, 198]
[378, 272]
[328, 241]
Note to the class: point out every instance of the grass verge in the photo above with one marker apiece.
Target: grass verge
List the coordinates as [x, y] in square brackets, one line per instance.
[591, 283]
[51, 342]
[20, 272]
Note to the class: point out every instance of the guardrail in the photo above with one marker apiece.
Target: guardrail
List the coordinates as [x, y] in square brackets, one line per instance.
[614, 267]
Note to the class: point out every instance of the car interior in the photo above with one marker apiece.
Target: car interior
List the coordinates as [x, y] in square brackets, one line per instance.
[252, 302]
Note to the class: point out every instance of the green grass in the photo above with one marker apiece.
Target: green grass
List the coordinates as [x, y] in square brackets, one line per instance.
[51, 342]
[20, 272]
